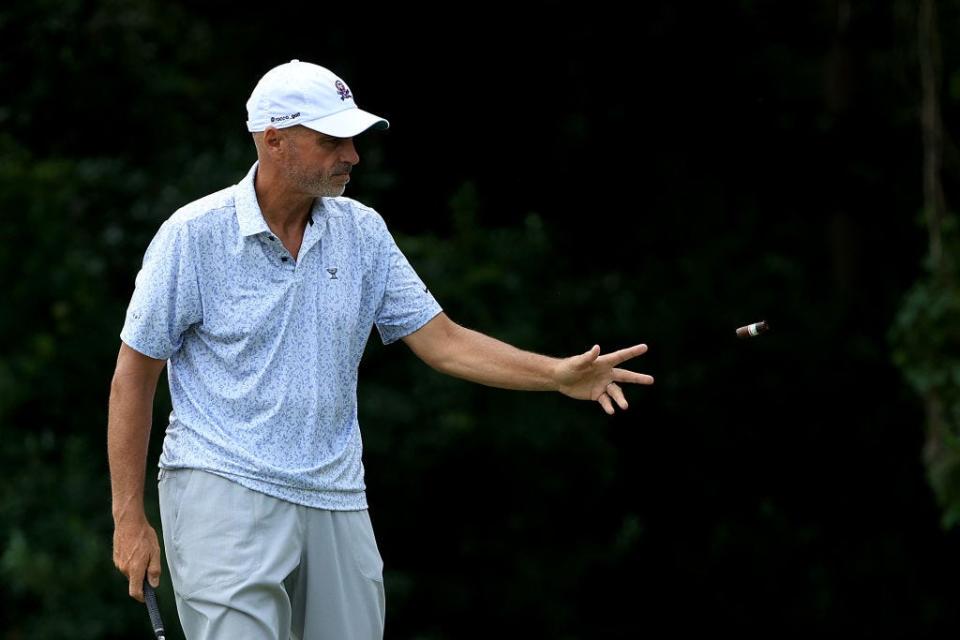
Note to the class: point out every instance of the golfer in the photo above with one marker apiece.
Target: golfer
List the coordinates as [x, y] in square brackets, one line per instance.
[259, 299]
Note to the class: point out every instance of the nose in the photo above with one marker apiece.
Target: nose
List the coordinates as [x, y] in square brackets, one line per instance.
[349, 152]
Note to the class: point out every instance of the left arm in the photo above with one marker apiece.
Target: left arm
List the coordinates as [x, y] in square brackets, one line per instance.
[467, 354]
[470, 355]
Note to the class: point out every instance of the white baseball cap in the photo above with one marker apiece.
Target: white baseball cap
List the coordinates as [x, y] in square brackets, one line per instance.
[310, 95]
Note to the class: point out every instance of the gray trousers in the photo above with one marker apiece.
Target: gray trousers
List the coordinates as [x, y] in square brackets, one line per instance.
[246, 565]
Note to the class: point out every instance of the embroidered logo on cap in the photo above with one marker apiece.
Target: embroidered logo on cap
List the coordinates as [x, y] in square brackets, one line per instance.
[287, 117]
[343, 91]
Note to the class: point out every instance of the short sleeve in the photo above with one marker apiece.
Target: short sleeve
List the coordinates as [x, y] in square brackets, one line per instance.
[166, 299]
[407, 303]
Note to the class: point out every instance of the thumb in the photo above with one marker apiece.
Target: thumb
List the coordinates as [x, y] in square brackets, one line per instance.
[590, 355]
[153, 571]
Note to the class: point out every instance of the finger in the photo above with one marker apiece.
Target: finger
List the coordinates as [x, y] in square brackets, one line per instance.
[616, 393]
[604, 401]
[590, 356]
[136, 582]
[616, 357]
[624, 375]
[153, 571]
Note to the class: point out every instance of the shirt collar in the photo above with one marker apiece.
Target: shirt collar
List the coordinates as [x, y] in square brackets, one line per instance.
[249, 215]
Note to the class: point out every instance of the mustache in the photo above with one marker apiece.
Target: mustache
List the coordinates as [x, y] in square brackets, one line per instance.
[344, 171]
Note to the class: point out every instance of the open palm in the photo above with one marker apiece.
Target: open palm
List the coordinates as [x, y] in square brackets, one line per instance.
[590, 376]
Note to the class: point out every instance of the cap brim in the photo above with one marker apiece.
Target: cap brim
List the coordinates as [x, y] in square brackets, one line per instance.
[347, 123]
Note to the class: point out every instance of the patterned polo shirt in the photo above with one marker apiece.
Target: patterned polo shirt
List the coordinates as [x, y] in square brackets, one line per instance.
[263, 349]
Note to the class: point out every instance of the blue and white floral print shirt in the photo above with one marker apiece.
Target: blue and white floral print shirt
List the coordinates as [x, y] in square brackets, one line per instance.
[263, 350]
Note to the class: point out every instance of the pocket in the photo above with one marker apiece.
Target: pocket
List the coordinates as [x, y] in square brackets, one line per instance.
[215, 533]
[170, 484]
[364, 545]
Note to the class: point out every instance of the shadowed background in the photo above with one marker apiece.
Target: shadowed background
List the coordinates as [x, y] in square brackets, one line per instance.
[559, 175]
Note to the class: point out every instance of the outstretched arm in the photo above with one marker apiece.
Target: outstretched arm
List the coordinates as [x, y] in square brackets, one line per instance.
[467, 354]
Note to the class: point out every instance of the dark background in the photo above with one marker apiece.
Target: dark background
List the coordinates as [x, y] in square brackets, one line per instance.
[560, 175]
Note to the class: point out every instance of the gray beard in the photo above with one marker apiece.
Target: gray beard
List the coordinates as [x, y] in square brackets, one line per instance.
[319, 188]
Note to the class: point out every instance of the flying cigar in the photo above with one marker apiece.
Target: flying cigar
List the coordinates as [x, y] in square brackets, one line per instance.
[752, 330]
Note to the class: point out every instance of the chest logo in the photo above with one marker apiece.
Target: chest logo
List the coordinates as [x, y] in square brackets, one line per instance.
[333, 273]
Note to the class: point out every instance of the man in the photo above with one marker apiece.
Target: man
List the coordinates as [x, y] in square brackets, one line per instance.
[259, 299]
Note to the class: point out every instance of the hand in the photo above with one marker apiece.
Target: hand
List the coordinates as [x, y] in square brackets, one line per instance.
[591, 376]
[136, 552]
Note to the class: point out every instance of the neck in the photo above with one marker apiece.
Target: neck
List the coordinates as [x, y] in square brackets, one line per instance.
[284, 208]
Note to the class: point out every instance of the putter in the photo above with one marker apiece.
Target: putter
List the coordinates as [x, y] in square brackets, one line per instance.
[150, 597]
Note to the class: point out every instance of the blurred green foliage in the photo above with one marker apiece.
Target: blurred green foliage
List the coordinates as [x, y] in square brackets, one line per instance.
[926, 347]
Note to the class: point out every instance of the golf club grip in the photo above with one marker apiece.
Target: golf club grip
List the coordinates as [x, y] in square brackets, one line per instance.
[150, 597]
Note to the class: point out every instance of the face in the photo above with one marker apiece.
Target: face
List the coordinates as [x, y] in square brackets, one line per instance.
[316, 164]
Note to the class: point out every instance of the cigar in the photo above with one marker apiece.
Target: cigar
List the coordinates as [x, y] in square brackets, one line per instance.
[753, 330]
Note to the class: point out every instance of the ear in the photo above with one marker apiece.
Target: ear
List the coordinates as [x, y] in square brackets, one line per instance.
[272, 138]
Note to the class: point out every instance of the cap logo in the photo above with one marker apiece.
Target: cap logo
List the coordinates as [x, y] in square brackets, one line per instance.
[286, 117]
[342, 90]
